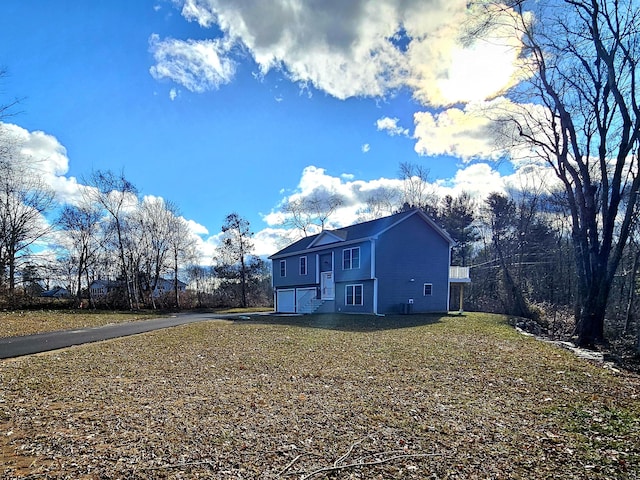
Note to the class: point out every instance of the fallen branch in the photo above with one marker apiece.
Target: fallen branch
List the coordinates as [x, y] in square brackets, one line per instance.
[343, 457]
[180, 465]
[367, 464]
[290, 464]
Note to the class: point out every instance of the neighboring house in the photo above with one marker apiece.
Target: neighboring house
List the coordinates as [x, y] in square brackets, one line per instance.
[101, 288]
[56, 292]
[165, 286]
[395, 264]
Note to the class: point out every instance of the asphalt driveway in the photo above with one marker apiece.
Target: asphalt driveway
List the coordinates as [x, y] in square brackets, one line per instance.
[42, 342]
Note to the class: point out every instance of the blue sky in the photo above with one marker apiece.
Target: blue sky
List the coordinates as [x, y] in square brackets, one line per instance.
[220, 108]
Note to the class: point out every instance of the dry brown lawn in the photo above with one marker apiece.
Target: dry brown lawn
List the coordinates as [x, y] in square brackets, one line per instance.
[28, 322]
[319, 397]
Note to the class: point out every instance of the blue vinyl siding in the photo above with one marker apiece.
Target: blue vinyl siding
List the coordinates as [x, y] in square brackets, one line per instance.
[294, 276]
[412, 251]
[367, 297]
[362, 272]
[303, 266]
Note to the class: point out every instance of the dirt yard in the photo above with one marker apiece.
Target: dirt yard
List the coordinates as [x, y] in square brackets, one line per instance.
[319, 397]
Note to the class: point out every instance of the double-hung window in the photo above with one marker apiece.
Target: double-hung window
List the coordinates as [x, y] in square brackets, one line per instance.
[428, 288]
[303, 265]
[351, 258]
[283, 268]
[353, 295]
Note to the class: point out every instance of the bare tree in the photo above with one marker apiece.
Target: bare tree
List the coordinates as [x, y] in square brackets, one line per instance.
[80, 225]
[416, 190]
[382, 202]
[163, 245]
[312, 213]
[200, 280]
[116, 195]
[183, 250]
[151, 232]
[582, 58]
[24, 199]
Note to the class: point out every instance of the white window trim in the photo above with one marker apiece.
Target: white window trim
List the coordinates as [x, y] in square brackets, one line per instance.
[351, 250]
[346, 296]
[424, 290]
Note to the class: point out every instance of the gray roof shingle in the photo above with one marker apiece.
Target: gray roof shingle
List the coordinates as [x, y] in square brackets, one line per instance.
[359, 231]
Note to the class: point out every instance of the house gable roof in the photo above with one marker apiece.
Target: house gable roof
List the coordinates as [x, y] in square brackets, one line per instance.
[327, 237]
[170, 283]
[105, 283]
[357, 232]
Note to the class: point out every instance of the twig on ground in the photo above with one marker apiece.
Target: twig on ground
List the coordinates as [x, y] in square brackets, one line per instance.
[367, 464]
[290, 464]
[353, 445]
[180, 465]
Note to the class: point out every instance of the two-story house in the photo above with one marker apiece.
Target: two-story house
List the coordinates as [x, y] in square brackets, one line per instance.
[395, 264]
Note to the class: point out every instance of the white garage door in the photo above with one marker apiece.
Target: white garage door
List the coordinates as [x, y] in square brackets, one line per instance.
[304, 296]
[286, 301]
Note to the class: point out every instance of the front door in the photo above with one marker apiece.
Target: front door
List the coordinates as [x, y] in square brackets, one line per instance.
[327, 286]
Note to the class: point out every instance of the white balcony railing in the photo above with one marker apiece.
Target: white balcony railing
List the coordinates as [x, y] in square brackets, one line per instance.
[459, 274]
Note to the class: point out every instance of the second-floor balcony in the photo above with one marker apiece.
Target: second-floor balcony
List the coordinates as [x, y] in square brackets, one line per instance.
[459, 275]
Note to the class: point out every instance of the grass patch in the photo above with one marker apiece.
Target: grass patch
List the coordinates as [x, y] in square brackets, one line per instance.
[28, 322]
[319, 397]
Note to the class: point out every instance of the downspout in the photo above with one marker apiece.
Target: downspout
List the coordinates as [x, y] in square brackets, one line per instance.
[273, 286]
[373, 276]
[449, 279]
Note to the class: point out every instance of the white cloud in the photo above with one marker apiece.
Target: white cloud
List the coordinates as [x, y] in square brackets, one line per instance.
[195, 228]
[46, 156]
[365, 148]
[444, 71]
[342, 48]
[478, 180]
[466, 133]
[269, 240]
[353, 193]
[363, 48]
[173, 94]
[265, 242]
[198, 65]
[390, 125]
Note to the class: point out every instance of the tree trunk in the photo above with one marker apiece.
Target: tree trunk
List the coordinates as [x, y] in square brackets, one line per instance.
[590, 324]
[632, 292]
[79, 289]
[92, 303]
[516, 302]
[243, 279]
[175, 278]
[12, 270]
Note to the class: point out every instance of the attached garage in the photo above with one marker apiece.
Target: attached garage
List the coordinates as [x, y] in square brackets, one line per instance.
[303, 297]
[286, 301]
